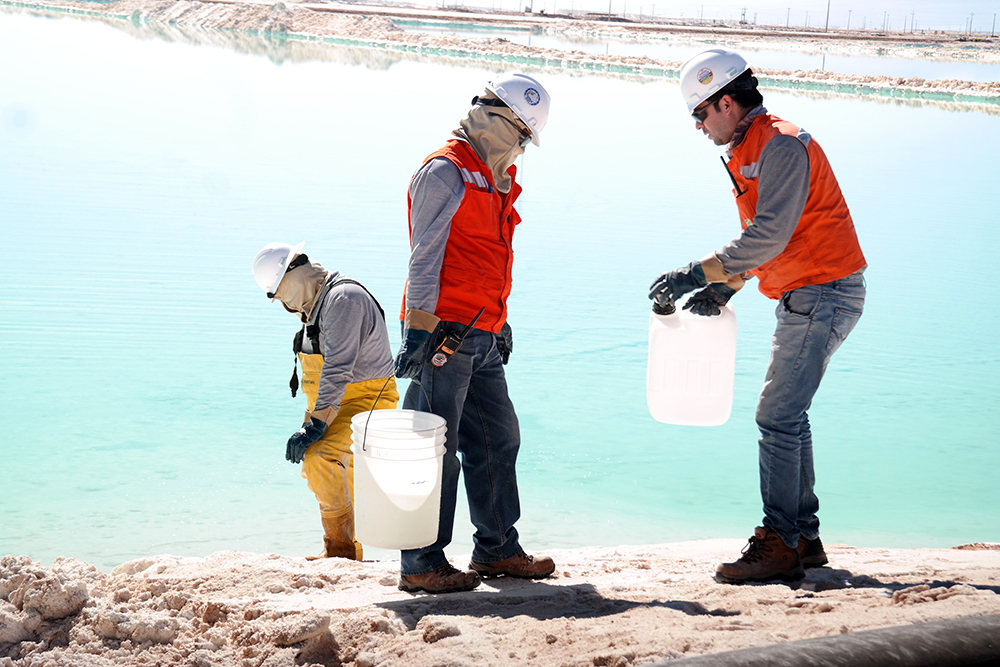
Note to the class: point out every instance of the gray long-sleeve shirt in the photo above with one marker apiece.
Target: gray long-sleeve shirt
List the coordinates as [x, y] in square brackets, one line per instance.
[436, 192]
[353, 340]
[782, 191]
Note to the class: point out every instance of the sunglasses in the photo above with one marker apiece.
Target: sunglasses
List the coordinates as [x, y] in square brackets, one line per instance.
[701, 113]
[525, 136]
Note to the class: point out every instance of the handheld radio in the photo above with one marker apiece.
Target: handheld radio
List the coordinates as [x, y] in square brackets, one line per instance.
[452, 341]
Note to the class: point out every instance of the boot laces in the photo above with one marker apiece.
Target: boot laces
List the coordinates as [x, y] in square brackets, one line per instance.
[447, 570]
[754, 550]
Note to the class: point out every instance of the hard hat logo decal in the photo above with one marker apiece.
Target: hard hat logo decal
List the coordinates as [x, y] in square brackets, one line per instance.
[705, 76]
[532, 97]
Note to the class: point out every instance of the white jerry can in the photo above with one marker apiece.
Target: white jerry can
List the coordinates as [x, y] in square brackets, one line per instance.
[692, 366]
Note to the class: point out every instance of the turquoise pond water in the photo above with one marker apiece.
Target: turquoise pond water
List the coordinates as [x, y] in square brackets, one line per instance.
[143, 403]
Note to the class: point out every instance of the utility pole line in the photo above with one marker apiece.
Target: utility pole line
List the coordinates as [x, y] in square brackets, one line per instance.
[827, 29]
[849, 19]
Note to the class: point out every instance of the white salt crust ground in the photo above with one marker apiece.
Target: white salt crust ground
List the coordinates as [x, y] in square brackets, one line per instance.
[602, 607]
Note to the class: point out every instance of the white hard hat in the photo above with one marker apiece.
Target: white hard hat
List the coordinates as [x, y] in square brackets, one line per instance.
[270, 264]
[526, 97]
[707, 73]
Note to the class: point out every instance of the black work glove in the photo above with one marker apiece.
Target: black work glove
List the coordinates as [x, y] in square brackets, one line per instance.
[297, 445]
[412, 353]
[672, 285]
[505, 342]
[710, 300]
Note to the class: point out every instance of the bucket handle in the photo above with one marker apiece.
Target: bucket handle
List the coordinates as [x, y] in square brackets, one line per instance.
[365, 438]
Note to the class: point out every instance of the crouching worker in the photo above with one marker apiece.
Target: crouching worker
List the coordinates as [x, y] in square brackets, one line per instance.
[347, 369]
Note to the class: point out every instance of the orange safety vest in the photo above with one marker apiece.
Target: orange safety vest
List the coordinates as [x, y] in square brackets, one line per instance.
[824, 246]
[476, 271]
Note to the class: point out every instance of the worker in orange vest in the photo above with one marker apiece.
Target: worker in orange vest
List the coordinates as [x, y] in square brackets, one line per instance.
[456, 339]
[799, 241]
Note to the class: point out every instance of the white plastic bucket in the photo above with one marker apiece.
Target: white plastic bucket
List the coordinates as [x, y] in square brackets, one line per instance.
[692, 367]
[398, 458]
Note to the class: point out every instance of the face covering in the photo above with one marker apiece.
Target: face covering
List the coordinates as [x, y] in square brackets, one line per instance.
[493, 132]
[300, 288]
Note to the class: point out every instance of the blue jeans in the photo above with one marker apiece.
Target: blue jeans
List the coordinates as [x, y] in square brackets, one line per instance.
[470, 392]
[812, 323]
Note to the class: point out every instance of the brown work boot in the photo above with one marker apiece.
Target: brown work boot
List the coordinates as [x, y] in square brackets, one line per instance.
[811, 552]
[520, 565]
[764, 558]
[445, 579]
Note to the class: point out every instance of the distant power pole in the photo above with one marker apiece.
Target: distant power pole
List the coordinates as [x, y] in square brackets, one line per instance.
[848, 19]
[994, 28]
[827, 29]
[788, 17]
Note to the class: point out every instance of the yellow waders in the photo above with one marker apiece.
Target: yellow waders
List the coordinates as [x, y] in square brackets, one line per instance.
[328, 464]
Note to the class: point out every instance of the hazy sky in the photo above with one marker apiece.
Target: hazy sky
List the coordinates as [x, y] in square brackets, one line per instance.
[949, 15]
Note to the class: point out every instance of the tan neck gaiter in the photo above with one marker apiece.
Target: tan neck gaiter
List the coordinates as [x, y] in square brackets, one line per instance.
[492, 132]
[300, 288]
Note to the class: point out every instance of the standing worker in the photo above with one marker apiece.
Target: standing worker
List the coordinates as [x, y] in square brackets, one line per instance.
[343, 347]
[799, 241]
[462, 218]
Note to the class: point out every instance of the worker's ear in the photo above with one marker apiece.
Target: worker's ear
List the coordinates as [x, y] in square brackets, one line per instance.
[726, 104]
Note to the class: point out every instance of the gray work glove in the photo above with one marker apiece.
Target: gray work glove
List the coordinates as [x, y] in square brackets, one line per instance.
[710, 300]
[505, 342]
[297, 445]
[412, 353]
[672, 285]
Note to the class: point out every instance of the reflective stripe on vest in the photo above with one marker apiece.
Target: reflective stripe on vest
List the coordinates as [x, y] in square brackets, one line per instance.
[476, 270]
[824, 246]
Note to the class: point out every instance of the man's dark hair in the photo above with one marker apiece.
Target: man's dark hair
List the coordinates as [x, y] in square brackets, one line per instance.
[743, 90]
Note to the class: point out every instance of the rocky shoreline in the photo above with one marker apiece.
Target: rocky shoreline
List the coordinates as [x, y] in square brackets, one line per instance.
[603, 606]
